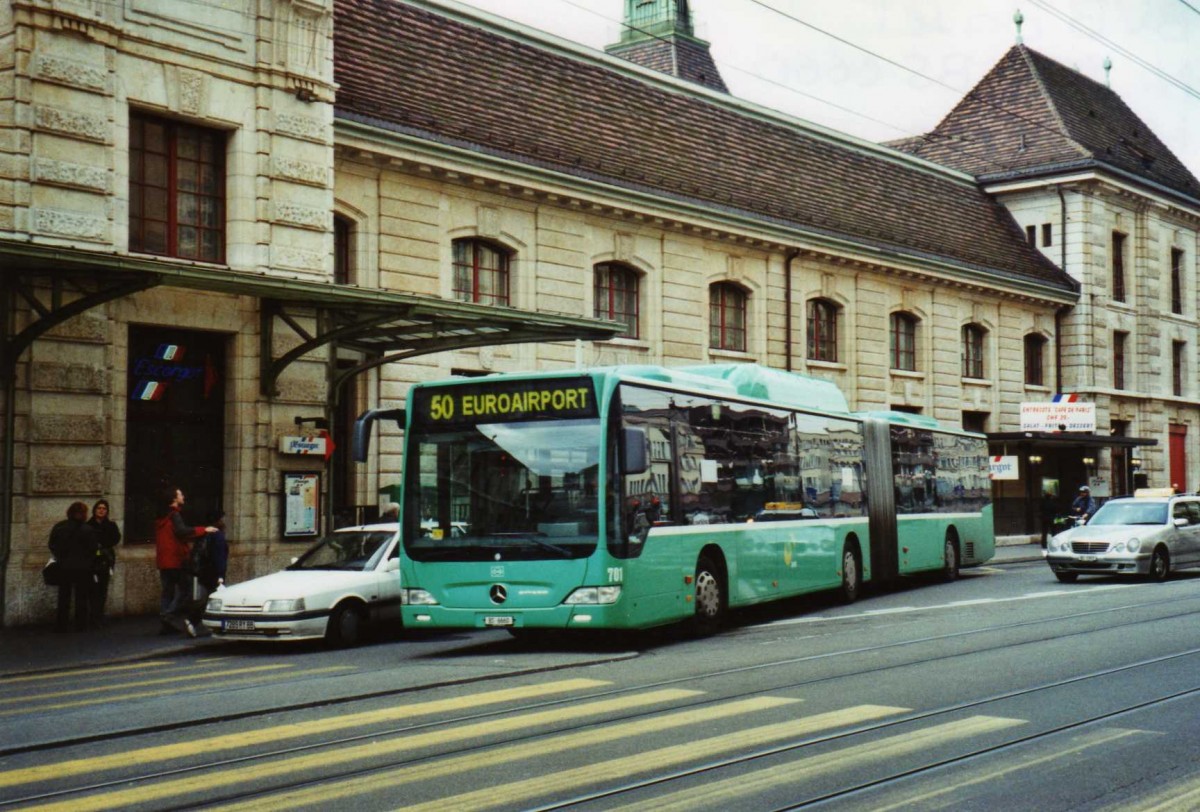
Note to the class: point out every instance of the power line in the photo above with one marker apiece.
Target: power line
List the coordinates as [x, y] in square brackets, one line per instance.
[1137, 60]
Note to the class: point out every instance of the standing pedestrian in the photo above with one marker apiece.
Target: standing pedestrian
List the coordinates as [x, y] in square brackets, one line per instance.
[209, 567]
[1049, 511]
[74, 546]
[108, 536]
[171, 539]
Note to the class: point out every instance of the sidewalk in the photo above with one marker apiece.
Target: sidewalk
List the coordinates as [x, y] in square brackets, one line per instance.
[32, 649]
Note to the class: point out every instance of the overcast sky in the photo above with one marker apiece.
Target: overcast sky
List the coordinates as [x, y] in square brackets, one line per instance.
[769, 52]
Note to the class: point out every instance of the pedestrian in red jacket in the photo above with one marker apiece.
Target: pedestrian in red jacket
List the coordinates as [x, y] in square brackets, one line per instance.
[172, 539]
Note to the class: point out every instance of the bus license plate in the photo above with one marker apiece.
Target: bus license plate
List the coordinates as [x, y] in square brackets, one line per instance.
[239, 625]
[493, 620]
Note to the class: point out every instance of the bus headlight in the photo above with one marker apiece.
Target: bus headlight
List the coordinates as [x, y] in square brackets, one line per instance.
[593, 595]
[417, 597]
[284, 605]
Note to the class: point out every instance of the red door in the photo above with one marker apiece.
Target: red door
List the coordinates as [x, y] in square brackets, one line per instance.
[1178, 452]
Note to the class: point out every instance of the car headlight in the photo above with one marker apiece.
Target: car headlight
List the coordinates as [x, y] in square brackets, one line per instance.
[593, 595]
[284, 605]
[214, 605]
[417, 597]
[1061, 545]
[1133, 545]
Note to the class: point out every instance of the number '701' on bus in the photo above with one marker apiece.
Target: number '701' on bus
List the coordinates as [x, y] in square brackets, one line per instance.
[629, 497]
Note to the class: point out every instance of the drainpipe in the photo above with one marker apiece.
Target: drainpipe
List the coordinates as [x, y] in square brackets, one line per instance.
[787, 306]
[8, 371]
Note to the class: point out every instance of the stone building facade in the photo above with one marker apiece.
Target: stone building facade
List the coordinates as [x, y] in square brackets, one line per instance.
[1103, 198]
[386, 214]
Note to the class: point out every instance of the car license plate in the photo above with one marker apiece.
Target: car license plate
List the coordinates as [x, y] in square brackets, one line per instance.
[238, 625]
[1089, 558]
[493, 620]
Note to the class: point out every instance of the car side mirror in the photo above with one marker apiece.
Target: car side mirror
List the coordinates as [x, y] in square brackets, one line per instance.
[391, 565]
[1181, 521]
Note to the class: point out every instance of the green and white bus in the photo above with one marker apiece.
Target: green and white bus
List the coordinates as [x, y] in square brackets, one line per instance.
[634, 496]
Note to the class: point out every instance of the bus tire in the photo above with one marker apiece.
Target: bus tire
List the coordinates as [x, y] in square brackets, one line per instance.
[346, 625]
[950, 563]
[710, 597]
[851, 573]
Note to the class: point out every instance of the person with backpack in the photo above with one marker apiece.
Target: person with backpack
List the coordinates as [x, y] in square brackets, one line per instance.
[209, 558]
[172, 553]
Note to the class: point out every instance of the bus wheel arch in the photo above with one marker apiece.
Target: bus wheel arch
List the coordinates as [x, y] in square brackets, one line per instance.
[711, 594]
[851, 565]
[951, 555]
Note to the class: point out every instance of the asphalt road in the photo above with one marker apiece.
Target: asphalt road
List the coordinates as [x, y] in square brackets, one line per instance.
[1003, 690]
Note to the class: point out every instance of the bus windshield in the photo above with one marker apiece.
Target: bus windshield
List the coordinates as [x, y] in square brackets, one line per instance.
[504, 491]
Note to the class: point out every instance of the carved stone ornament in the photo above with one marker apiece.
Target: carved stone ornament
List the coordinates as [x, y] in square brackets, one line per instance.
[70, 224]
[75, 176]
[303, 127]
[70, 72]
[67, 122]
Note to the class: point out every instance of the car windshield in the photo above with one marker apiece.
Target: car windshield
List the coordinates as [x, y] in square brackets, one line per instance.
[1132, 512]
[525, 490]
[353, 550]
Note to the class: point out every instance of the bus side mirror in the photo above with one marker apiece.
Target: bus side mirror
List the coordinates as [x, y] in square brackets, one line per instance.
[362, 429]
[634, 450]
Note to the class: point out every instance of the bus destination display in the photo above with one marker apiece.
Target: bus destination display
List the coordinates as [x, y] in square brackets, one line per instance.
[505, 402]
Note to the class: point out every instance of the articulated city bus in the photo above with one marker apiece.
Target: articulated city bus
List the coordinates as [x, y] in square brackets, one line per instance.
[629, 497]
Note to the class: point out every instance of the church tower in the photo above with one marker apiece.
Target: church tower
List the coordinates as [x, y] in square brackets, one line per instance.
[658, 34]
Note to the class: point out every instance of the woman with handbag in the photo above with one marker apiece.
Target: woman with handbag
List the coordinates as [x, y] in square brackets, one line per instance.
[74, 546]
[108, 536]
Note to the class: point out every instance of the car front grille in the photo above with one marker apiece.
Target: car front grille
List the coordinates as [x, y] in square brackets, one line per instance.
[242, 610]
[1089, 547]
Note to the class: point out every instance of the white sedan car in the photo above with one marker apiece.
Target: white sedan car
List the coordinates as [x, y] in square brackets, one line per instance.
[333, 590]
[1148, 534]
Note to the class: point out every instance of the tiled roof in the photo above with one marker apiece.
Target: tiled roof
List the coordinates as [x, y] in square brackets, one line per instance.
[1031, 115]
[432, 75]
[674, 55]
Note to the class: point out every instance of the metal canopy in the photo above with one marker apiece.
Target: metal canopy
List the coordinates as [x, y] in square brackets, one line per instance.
[385, 326]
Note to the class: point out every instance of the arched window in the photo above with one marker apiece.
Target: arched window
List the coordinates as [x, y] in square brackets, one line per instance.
[972, 351]
[822, 330]
[727, 317]
[480, 272]
[904, 342]
[617, 296]
[1035, 350]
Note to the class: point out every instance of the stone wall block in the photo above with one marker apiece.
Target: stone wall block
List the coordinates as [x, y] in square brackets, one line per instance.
[53, 377]
[84, 327]
[72, 481]
[61, 428]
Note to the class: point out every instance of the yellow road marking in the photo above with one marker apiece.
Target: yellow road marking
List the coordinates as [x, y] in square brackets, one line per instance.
[279, 733]
[724, 794]
[105, 669]
[1018, 765]
[621, 769]
[125, 686]
[174, 689]
[322, 796]
[310, 764]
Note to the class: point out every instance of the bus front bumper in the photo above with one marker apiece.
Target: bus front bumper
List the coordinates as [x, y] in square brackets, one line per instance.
[557, 617]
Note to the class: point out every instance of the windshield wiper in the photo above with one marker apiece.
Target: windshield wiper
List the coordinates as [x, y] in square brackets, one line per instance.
[533, 537]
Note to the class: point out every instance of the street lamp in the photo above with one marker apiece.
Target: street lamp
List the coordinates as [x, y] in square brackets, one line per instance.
[1035, 459]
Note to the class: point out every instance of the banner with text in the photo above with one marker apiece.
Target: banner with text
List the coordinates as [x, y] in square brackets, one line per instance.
[1060, 415]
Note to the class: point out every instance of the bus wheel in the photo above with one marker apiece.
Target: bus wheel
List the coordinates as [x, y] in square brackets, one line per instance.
[950, 567]
[710, 597]
[851, 574]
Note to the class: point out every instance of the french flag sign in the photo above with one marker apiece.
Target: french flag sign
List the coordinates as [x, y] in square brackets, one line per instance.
[149, 390]
[169, 352]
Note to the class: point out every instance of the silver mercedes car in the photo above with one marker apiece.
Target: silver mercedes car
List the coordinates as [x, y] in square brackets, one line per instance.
[1149, 534]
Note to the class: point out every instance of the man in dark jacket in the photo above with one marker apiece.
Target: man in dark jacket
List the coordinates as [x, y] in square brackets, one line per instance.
[73, 544]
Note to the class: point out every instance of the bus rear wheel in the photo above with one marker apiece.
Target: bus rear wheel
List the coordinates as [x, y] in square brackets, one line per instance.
[851, 574]
[950, 566]
[710, 597]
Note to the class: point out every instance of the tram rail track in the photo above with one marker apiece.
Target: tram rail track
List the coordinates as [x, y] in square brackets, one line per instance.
[341, 741]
